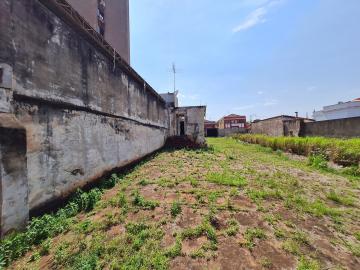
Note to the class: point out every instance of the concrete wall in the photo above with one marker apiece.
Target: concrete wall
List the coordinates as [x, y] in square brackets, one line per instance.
[340, 128]
[194, 118]
[78, 115]
[230, 131]
[271, 127]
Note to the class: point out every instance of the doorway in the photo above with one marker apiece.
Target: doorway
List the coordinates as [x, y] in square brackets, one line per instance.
[182, 128]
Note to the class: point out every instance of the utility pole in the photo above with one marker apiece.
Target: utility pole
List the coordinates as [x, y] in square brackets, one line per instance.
[174, 71]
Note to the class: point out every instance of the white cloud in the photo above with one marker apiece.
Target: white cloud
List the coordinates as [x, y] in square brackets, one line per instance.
[256, 17]
[271, 102]
[260, 93]
[188, 97]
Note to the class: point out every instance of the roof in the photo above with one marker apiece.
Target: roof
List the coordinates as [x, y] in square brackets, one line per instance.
[209, 122]
[357, 99]
[285, 116]
[234, 116]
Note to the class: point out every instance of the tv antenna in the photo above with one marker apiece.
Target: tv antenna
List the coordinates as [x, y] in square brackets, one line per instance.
[174, 71]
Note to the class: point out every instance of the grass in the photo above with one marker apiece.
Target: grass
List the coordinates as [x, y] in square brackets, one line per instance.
[338, 150]
[230, 197]
[226, 178]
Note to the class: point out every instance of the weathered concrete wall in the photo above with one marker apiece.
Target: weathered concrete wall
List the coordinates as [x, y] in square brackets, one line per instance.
[78, 113]
[271, 127]
[194, 119]
[340, 128]
[14, 209]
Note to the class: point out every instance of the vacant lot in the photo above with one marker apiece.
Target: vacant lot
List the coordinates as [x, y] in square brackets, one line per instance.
[233, 206]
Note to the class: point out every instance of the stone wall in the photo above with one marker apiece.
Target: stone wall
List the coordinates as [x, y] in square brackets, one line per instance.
[77, 114]
[340, 128]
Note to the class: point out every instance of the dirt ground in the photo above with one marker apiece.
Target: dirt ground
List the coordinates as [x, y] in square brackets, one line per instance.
[232, 206]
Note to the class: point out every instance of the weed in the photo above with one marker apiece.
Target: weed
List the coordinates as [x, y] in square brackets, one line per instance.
[308, 264]
[292, 247]
[232, 227]
[266, 263]
[141, 202]
[144, 182]
[234, 192]
[175, 208]
[340, 199]
[357, 235]
[318, 161]
[226, 178]
[175, 250]
[45, 247]
[251, 234]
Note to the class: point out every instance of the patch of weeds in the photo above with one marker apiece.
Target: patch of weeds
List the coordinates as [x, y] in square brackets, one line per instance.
[213, 196]
[266, 263]
[308, 264]
[199, 253]
[175, 208]
[251, 234]
[232, 227]
[279, 152]
[318, 161]
[280, 233]
[340, 199]
[234, 192]
[45, 247]
[292, 247]
[300, 237]
[140, 201]
[352, 171]
[84, 227]
[226, 178]
[175, 250]
[261, 194]
[317, 208]
[193, 182]
[357, 235]
[35, 257]
[205, 228]
[144, 182]
[271, 219]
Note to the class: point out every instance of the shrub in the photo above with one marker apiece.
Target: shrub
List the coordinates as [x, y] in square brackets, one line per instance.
[341, 151]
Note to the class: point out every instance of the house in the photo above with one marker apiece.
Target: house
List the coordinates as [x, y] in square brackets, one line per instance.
[210, 128]
[339, 111]
[281, 125]
[232, 121]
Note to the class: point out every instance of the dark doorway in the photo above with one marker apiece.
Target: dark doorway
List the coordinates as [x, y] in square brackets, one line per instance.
[182, 128]
[212, 132]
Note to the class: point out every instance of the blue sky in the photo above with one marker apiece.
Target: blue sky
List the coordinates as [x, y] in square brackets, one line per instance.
[257, 58]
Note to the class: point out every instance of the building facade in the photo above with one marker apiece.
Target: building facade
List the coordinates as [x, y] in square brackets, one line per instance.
[232, 121]
[110, 18]
[339, 111]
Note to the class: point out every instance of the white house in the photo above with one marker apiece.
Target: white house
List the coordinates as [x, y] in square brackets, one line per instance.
[338, 111]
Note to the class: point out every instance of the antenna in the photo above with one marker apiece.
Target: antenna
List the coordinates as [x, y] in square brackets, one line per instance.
[174, 71]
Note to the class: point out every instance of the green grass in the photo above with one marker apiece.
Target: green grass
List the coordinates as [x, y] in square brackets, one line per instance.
[175, 208]
[251, 234]
[340, 151]
[141, 202]
[227, 178]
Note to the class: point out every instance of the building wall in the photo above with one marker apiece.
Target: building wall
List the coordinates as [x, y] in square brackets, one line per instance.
[271, 127]
[79, 116]
[338, 111]
[117, 28]
[231, 131]
[339, 128]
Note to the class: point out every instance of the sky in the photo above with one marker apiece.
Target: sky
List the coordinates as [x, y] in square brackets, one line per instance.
[258, 58]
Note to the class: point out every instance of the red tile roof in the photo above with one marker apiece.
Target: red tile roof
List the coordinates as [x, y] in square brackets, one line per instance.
[356, 99]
